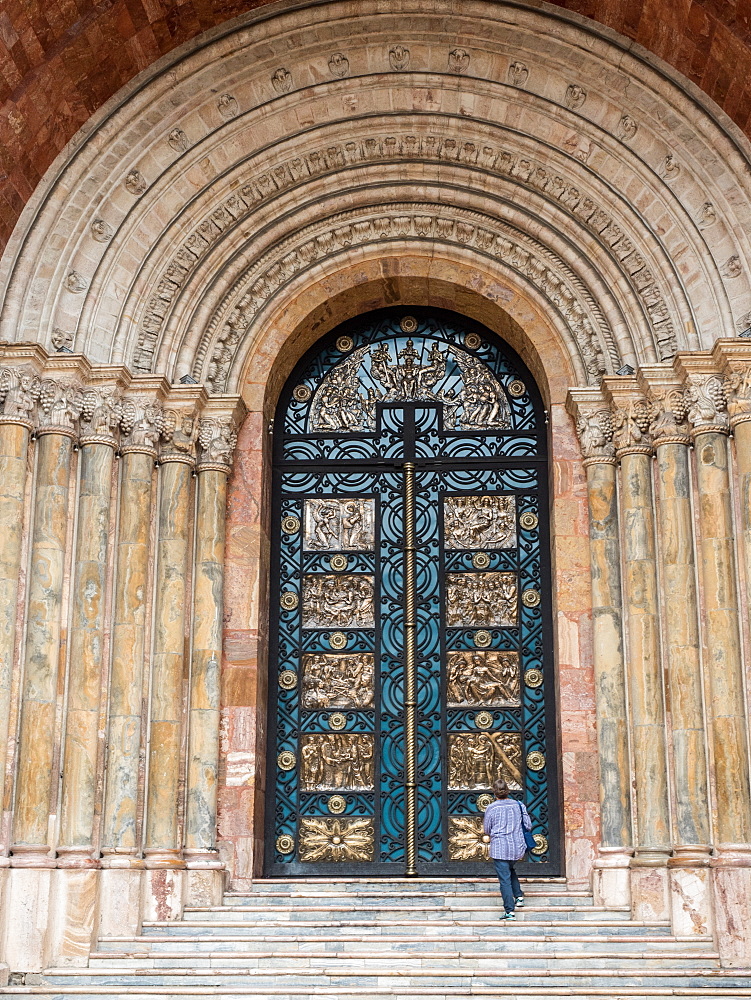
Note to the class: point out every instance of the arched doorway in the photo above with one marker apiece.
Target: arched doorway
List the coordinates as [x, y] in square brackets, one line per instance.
[411, 644]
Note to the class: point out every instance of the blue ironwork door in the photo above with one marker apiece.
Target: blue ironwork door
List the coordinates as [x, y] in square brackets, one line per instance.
[411, 650]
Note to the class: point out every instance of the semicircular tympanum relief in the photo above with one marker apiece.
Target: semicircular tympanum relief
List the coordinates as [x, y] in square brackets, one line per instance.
[289, 146]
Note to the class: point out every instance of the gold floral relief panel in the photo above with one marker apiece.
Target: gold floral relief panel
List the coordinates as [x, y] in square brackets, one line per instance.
[479, 522]
[323, 839]
[467, 840]
[336, 761]
[338, 601]
[332, 524]
[337, 680]
[481, 599]
[476, 679]
[476, 760]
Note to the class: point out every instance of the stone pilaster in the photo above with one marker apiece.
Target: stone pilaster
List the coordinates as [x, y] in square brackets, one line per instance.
[100, 415]
[217, 437]
[19, 390]
[688, 869]
[60, 404]
[162, 836]
[141, 424]
[594, 424]
[633, 446]
[732, 875]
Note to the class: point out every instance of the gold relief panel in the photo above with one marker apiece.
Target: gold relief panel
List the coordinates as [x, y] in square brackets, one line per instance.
[332, 524]
[476, 760]
[476, 679]
[480, 522]
[337, 680]
[474, 599]
[336, 840]
[336, 761]
[341, 601]
[467, 839]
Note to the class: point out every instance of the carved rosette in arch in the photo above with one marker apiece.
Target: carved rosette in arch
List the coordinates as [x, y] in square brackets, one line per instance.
[553, 279]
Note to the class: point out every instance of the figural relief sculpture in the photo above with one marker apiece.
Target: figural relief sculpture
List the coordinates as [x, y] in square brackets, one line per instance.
[480, 522]
[338, 601]
[332, 524]
[336, 762]
[481, 599]
[472, 397]
[337, 680]
[476, 760]
[476, 679]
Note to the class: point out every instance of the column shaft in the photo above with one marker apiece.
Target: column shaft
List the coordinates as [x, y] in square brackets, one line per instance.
[644, 670]
[612, 736]
[42, 654]
[128, 654]
[14, 446]
[203, 754]
[682, 648]
[86, 651]
[724, 662]
[168, 660]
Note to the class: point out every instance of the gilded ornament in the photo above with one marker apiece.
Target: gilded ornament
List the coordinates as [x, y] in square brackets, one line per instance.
[535, 760]
[336, 762]
[337, 640]
[337, 680]
[528, 520]
[481, 560]
[302, 393]
[484, 720]
[408, 324]
[476, 599]
[480, 522]
[336, 839]
[338, 562]
[467, 839]
[288, 680]
[285, 844]
[516, 388]
[483, 801]
[472, 341]
[290, 525]
[289, 600]
[531, 598]
[476, 760]
[336, 804]
[286, 760]
[533, 678]
[477, 679]
[337, 721]
[338, 601]
[333, 523]
[483, 638]
[542, 844]
[344, 344]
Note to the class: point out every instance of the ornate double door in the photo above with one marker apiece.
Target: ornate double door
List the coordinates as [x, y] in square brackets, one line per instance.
[410, 654]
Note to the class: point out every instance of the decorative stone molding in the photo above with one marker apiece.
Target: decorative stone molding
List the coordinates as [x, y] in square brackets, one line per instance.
[60, 403]
[217, 437]
[141, 423]
[706, 402]
[179, 436]
[19, 392]
[553, 279]
[101, 413]
[521, 169]
[594, 425]
[631, 427]
[669, 412]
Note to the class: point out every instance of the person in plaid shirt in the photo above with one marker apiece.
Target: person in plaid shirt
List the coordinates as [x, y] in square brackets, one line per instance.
[503, 824]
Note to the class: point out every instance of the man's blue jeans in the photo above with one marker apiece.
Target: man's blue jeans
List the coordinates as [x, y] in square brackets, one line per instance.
[510, 888]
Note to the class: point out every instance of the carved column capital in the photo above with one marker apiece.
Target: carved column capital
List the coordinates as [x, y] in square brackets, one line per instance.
[179, 436]
[217, 437]
[706, 402]
[669, 415]
[632, 420]
[19, 393]
[60, 404]
[738, 392]
[101, 413]
[141, 424]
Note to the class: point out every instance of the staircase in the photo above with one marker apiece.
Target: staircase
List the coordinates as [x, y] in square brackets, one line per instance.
[429, 938]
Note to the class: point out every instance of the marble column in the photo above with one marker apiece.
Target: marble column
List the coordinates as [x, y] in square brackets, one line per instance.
[732, 864]
[644, 663]
[15, 427]
[142, 419]
[595, 429]
[688, 869]
[99, 418]
[162, 837]
[60, 404]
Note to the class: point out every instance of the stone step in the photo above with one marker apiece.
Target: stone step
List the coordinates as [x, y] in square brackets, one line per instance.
[394, 991]
[392, 897]
[439, 911]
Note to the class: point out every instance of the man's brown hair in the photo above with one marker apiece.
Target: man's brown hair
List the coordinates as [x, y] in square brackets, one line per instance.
[500, 788]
